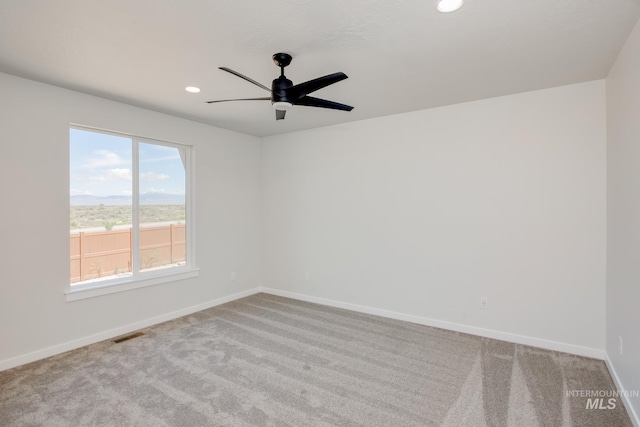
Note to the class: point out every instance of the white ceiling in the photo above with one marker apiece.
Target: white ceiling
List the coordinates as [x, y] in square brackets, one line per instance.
[399, 55]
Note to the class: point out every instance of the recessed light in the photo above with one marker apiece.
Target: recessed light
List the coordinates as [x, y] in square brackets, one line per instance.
[446, 6]
[192, 89]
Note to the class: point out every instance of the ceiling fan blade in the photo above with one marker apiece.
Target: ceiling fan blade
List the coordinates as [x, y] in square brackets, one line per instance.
[303, 89]
[266, 98]
[323, 103]
[280, 114]
[250, 80]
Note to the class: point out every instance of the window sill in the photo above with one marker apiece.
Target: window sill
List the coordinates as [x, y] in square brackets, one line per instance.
[127, 284]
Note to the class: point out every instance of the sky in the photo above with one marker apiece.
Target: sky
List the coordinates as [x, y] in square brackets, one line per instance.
[101, 165]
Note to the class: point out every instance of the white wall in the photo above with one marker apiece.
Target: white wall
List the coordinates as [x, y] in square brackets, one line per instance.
[423, 213]
[35, 209]
[623, 203]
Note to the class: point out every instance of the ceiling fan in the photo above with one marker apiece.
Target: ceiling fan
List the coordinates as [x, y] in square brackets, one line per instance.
[284, 94]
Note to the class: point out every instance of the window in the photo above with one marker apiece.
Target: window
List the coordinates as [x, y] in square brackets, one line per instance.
[130, 209]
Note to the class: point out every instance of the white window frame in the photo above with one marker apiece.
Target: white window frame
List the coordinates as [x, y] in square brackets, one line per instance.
[142, 279]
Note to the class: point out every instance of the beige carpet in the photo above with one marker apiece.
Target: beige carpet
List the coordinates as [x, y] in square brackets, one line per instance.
[270, 361]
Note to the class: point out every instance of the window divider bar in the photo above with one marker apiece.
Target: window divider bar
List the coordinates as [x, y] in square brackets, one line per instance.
[135, 217]
[190, 212]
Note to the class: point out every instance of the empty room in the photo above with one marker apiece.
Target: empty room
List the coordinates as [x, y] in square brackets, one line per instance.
[331, 213]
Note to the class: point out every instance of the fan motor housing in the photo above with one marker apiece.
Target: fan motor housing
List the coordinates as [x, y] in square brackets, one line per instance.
[278, 90]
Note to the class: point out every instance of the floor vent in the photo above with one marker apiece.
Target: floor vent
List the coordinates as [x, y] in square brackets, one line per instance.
[128, 337]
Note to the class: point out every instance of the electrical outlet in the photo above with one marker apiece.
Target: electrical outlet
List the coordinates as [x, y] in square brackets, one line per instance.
[484, 302]
[307, 276]
[620, 338]
[233, 276]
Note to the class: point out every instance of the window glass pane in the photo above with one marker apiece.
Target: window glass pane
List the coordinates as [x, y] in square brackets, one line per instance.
[100, 206]
[162, 210]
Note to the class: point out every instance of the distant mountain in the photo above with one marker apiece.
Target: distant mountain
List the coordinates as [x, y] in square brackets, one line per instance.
[145, 199]
[85, 200]
[161, 199]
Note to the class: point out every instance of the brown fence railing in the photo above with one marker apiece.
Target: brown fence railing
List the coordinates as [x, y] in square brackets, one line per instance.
[106, 253]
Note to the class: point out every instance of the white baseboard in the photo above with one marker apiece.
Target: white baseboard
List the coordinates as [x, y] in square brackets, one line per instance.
[625, 398]
[458, 327]
[91, 339]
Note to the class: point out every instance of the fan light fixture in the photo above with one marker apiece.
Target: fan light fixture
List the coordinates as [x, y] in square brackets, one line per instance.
[281, 105]
[446, 6]
[192, 89]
